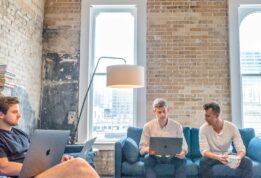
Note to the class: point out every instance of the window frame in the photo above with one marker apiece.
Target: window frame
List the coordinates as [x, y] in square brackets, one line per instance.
[235, 18]
[85, 55]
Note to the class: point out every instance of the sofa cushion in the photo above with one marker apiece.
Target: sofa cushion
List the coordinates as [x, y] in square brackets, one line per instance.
[254, 148]
[247, 134]
[135, 169]
[194, 136]
[186, 132]
[256, 169]
[135, 134]
[131, 150]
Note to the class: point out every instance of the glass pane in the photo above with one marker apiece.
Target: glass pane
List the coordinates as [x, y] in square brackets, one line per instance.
[250, 44]
[252, 102]
[114, 36]
[112, 110]
[250, 61]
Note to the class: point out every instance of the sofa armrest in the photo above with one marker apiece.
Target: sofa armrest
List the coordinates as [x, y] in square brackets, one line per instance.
[118, 157]
[254, 149]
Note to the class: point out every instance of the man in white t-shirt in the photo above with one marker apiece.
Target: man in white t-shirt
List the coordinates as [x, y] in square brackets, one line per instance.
[215, 140]
[162, 126]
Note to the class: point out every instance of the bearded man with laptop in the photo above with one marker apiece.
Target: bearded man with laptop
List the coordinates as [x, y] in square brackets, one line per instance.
[14, 144]
[162, 126]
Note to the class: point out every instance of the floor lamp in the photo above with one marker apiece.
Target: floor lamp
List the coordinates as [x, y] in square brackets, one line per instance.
[118, 76]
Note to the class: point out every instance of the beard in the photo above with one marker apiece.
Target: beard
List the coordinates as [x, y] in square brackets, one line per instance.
[11, 123]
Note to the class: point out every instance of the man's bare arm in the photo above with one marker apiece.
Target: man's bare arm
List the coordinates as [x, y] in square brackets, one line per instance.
[221, 158]
[8, 168]
[241, 153]
[181, 155]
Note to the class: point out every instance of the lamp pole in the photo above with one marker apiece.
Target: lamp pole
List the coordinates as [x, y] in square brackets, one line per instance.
[74, 132]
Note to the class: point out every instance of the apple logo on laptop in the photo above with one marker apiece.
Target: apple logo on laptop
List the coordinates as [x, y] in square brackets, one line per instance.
[48, 152]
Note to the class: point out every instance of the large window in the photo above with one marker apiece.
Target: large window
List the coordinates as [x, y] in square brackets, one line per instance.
[250, 63]
[115, 29]
[245, 62]
[113, 32]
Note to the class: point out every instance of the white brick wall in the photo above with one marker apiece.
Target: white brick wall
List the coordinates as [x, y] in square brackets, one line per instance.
[21, 24]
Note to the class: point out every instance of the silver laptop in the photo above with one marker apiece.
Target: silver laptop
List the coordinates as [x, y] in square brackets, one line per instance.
[45, 150]
[165, 146]
[87, 147]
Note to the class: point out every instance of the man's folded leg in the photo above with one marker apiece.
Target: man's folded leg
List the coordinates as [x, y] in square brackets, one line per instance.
[74, 168]
[149, 163]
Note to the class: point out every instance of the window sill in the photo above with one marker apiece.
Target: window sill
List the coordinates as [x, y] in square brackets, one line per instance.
[104, 145]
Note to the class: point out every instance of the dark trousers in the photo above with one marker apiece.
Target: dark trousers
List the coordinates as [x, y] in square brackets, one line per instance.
[206, 164]
[179, 165]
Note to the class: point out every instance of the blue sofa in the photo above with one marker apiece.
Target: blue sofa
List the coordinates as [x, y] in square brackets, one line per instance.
[129, 163]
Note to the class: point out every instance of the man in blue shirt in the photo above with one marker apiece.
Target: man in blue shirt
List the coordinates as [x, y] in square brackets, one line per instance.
[14, 144]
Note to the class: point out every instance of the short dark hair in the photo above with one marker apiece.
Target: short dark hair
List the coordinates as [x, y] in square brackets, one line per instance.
[212, 105]
[159, 103]
[6, 102]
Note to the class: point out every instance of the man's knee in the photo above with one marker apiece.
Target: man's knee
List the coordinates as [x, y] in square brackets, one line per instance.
[149, 161]
[78, 162]
[179, 162]
[205, 161]
[246, 163]
[204, 165]
[208, 162]
[82, 168]
[182, 161]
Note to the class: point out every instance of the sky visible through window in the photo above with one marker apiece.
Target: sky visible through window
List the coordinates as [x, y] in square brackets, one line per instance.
[250, 33]
[250, 62]
[114, 36]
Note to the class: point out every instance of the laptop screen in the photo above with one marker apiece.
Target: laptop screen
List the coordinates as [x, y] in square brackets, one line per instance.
[165, 145]
[87, 147]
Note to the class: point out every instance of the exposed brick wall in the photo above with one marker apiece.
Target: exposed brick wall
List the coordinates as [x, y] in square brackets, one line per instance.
[21, 24]
[104, 162]
[61, 51]
[187, 57]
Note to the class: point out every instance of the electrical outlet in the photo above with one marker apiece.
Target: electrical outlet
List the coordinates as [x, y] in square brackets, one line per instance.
[71, 117]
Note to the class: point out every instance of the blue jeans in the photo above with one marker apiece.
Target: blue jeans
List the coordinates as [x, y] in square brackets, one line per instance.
[179, 165]
[206, 164]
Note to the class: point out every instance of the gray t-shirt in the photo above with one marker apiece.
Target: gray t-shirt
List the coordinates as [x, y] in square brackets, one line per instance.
[153, 129]
[220, 143]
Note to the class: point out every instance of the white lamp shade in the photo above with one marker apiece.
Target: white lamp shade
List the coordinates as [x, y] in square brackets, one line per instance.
[125, 76]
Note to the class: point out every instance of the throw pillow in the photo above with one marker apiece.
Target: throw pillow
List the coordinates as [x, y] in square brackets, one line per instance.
[131, 150]
[254, 148]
